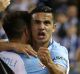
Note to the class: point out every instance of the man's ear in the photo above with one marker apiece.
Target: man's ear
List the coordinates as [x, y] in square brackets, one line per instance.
[54, 27]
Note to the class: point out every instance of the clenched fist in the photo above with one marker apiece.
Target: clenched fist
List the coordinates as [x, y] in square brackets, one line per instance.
[44, 56]
[4, 4]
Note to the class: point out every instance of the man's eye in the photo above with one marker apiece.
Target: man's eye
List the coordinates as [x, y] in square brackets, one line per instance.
[46, 22]
[37, 22]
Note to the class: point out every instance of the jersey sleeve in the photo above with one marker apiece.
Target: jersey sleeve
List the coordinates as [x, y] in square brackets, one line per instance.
[59, 55]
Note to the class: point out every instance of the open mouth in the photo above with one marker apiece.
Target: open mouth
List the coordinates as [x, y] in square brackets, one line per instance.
[41, 35]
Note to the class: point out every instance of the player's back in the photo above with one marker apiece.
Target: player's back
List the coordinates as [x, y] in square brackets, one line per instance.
[14, 61]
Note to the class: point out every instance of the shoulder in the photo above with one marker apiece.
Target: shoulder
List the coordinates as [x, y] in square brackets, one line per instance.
[59, 54]
[57, 50]
[11, 56]
[56, 47]
[5, 55]
[13, 60]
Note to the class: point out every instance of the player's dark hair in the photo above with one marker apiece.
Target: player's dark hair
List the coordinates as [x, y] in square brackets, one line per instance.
[15, 23]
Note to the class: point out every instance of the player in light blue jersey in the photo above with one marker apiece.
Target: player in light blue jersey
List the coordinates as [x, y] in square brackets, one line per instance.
[16, 29]
[52, 57]
[58, 54]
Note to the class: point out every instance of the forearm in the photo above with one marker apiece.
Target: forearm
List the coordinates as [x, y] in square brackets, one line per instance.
[54, 69]
[6, 46]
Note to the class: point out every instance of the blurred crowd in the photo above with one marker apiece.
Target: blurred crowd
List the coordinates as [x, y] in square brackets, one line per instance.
[67, 24]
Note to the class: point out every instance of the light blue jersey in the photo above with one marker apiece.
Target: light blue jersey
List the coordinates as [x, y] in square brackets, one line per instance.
[58, 53]
[14, 61]
[33, 65]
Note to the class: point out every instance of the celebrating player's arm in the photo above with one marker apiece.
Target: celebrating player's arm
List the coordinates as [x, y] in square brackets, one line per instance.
[44, 56]
[4, 4]
[18, 47]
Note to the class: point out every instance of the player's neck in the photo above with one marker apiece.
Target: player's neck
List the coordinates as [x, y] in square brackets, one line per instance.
[36, 46]
[18, 41]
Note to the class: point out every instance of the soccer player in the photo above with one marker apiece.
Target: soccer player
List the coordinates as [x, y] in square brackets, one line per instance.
[53, 57]
[15, 25]
[12, 45]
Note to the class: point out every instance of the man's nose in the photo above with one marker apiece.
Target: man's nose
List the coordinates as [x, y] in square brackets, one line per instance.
[41, 26]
